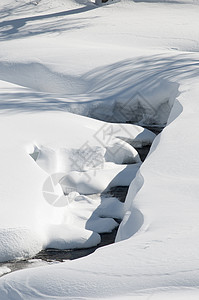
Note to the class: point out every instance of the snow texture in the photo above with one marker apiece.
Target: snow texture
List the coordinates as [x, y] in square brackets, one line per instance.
[72, 76]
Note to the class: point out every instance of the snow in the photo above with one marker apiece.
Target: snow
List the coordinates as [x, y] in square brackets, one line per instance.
[4, 270]
[36, 200]
[64, 64]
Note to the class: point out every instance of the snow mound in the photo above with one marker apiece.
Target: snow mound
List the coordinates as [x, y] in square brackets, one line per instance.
[52, 166]
[70, 237]
[38, 77]
[95, 94]
[18, 243]
[97, 181]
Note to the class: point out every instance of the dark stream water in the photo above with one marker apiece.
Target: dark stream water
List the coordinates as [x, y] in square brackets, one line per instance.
[53, 255]
[120, 193]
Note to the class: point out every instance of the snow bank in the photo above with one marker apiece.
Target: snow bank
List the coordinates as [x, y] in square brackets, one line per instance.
[93, 181]
[35, 214]
[38, 77]
[18, 243]
[126, 56]
[95, 94]
[162, 249]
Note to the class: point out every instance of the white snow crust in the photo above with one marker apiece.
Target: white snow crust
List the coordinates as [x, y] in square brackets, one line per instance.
[72, 75]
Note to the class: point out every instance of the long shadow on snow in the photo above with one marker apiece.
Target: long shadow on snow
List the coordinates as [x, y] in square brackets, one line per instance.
[57, 25]
[106, 85]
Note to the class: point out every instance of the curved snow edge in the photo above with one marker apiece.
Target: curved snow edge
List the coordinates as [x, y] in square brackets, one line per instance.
[134, 219]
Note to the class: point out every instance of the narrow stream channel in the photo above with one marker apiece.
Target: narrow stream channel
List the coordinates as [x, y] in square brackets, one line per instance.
[50, 256]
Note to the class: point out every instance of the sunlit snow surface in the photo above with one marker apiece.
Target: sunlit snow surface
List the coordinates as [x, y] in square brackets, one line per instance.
[126, 62]
[47, 153]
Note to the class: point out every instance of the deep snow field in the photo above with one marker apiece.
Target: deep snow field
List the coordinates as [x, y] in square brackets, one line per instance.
[78, 85]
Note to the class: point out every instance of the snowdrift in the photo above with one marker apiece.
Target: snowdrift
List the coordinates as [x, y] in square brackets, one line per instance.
[127, 62]
[44, 151]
